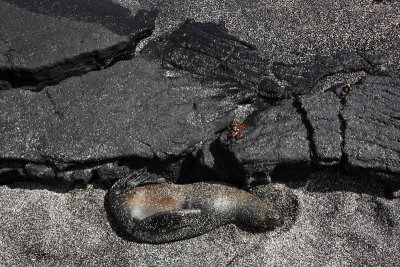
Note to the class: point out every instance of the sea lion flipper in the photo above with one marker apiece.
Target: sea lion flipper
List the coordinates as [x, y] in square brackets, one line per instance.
[131, 180]
[167, 221]
[136, 178]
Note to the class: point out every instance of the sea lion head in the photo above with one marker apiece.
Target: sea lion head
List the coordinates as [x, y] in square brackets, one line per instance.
[270, 218]
[261, 214]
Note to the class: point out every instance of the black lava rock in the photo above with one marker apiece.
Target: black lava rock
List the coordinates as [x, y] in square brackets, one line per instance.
[38, 49]
[372, 115]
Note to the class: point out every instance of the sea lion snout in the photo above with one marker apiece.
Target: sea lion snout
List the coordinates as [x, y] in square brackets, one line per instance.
[278, 221]
[271, 220]
[271, 217]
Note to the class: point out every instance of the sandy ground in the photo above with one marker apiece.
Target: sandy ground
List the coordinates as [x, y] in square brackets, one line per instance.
[336, 221]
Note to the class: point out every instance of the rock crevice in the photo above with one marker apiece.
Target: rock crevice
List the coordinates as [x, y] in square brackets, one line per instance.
[171, 106]
[308, 125]
[49, 49]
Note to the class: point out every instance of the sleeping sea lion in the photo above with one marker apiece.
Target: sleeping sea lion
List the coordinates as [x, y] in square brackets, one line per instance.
[160, 213]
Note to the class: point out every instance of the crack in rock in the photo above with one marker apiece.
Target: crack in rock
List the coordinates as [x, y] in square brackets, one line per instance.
[136, 110]
[343, 126]
[307, 123]
[43, 55]
[322, 109]
[53, 105]
[206, 49]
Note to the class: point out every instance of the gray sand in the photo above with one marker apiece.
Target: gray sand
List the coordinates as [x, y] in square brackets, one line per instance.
[325, 225]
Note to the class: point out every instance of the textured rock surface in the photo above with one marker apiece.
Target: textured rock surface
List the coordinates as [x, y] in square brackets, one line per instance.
[372, 115]
[38, 49]
[322, 113]
[148, 108]
[208, 50]
[274, 139]
[289, 31]
[130, 109]
[279, 66]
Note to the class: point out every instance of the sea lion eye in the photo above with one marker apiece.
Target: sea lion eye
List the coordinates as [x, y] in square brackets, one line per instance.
[276, 219]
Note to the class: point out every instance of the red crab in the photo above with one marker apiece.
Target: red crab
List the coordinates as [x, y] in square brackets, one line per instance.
[346, 89]
[236, 130]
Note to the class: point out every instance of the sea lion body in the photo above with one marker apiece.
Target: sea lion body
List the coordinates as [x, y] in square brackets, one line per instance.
[159, 213]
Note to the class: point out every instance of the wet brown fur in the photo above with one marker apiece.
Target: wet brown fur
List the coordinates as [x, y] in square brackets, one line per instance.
[159, 213]
[159, 197]
[166, 197]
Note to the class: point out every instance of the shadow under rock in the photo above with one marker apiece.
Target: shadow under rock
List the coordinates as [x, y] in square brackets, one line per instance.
[15, 181]
[331, 179]
[39, 185]
[326, 179]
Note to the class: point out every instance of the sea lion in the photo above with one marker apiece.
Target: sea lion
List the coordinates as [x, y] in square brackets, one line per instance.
[160, 213]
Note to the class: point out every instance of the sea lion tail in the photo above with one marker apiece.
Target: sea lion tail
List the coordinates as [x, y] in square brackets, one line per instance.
[115, 200]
